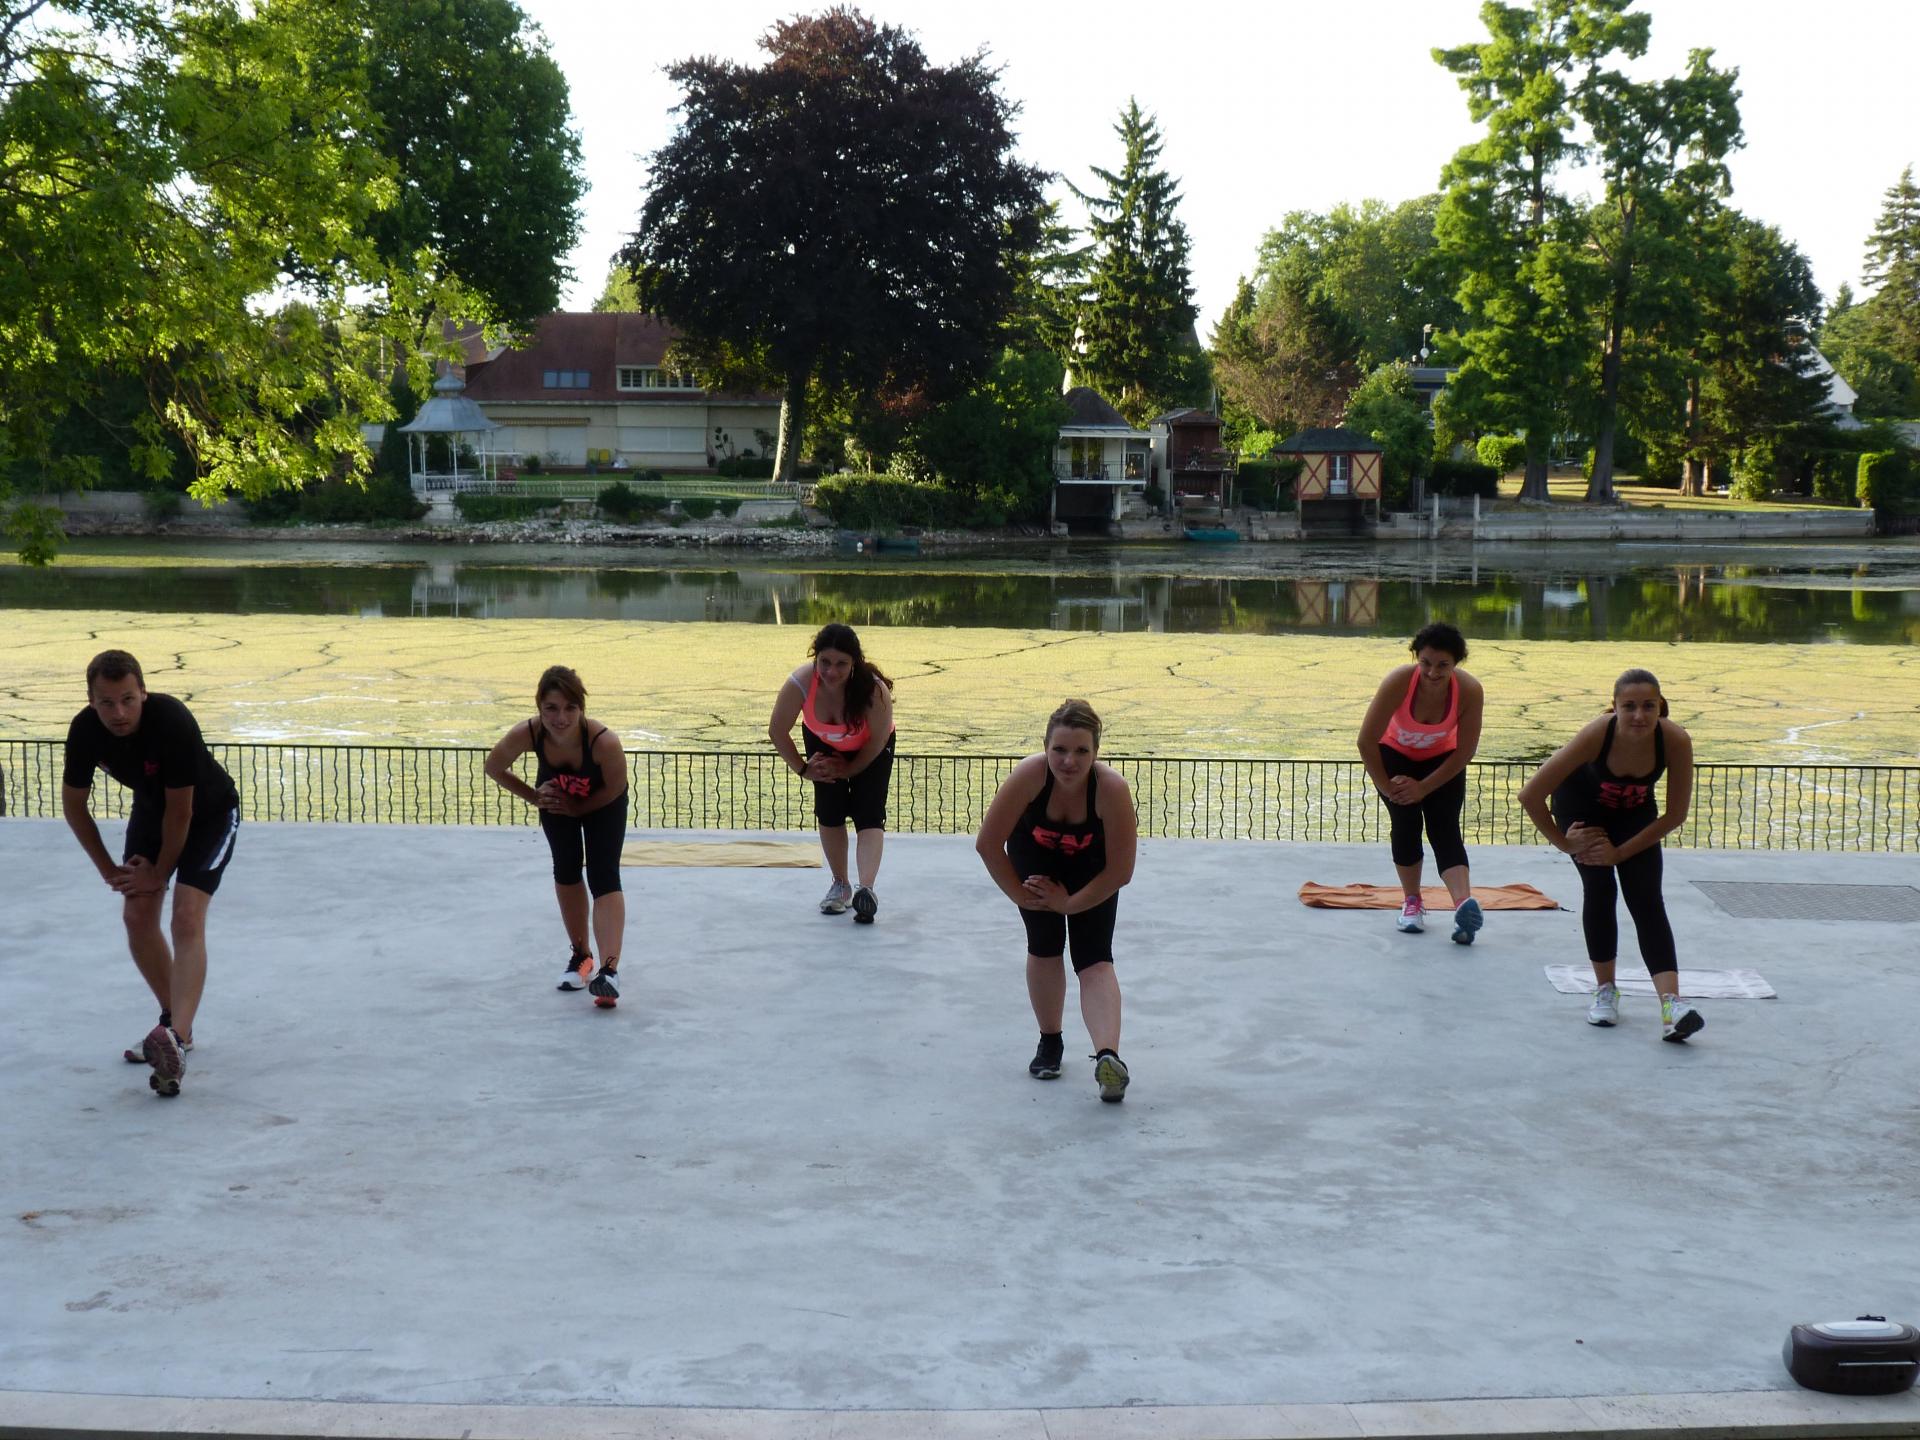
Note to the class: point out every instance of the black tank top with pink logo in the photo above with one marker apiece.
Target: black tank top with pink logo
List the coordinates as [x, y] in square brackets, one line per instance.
[578, 783]
[1072, 852]
[1608, 793]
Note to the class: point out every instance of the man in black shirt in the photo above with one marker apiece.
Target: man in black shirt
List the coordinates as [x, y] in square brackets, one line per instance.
[185, 815]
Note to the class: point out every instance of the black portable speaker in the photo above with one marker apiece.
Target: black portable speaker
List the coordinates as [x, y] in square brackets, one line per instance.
[1868, 1356]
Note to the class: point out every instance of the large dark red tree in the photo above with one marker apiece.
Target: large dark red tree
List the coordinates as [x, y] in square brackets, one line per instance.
[846, 216]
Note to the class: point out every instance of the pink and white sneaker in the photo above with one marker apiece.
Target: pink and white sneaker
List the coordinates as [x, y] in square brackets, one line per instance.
[1413, 916]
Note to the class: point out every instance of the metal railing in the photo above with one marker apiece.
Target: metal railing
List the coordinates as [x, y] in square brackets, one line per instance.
[1757, 807]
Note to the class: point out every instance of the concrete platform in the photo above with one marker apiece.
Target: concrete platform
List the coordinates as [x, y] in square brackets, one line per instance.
[802, 1172]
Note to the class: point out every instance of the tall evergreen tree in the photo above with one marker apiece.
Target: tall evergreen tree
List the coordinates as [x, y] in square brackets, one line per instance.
[1528, 280]
[1893, 264]
[1136, 340]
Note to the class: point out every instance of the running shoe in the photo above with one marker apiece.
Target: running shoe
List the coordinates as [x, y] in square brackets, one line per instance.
[1605, 1009]
[605, 988]
[1413, 916]
[837, 896]
[866, 905]
[578, 972]
[1110, 1072]
[139, 1056]
[1045, 1064]
[163, 1050]
[1467, 921]
[1678, 1019]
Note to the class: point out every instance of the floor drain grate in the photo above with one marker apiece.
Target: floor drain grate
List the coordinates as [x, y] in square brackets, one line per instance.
[1752, 900]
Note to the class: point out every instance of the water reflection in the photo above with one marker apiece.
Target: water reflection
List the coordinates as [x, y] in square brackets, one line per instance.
[1866, 595]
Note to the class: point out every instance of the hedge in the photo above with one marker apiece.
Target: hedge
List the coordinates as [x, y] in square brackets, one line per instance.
[866, 502]
[1267, 483]
[1464, 477]
[500, 507]
[338, 502]
[746, 467]
[1885, 479]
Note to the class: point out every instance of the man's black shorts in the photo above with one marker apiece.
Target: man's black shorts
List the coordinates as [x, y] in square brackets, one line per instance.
[209, 845]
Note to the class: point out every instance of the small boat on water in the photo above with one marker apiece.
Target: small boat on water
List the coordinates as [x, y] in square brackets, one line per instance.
[1213, 534]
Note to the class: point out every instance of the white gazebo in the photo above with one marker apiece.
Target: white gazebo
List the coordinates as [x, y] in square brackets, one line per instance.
[452, 414]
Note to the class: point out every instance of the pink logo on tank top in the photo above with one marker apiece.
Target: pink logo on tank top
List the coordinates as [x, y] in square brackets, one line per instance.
[1065, 844]
[1624, 795]
[578, 786]
[1417, 739]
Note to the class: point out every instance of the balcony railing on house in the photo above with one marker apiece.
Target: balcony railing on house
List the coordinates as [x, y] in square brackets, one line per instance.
[1757, 807]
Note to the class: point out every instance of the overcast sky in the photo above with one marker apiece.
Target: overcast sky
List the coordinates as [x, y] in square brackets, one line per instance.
[1269, 107]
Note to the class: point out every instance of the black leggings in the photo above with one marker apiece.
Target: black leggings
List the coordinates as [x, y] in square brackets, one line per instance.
[599, 835]
[1440, 810]
[1639, 880]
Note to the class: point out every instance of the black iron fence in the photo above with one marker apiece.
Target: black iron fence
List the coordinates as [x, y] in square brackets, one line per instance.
[1763, 807]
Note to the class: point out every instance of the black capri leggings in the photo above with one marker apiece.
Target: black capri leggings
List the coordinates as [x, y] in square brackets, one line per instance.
[1440, 810]
[1049, 933]
[590, 842]
[864, 797]
[1638, 879]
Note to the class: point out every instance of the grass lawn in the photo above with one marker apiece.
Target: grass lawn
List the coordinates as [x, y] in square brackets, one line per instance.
[1571, 486]
[696, 685]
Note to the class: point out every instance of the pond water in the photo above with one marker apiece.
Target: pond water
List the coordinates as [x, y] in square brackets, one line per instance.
[1858, 593]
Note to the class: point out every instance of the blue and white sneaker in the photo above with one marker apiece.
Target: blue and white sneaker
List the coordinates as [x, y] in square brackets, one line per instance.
[1467, 921]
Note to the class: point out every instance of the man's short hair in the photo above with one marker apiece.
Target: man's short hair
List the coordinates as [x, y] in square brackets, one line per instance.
[114, 665]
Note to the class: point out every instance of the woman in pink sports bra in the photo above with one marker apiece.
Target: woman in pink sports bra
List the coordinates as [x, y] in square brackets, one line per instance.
[1416, 740]
[845, 708]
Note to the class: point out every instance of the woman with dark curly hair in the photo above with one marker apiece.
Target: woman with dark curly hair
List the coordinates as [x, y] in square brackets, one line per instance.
[844, 704]
[1416, 740]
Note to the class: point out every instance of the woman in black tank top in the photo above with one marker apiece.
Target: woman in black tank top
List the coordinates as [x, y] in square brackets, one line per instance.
[580, 790]
[1594, 799]
[1059, 840]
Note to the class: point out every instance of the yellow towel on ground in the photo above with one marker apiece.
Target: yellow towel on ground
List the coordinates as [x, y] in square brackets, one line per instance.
[782, 854]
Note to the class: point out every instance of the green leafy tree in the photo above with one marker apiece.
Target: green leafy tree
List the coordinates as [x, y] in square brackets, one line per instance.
[192, 188]
[1527, 280]
[1136, 342]
[879, 251]
[1887, 386]
[1387, 408]
[475, 116]
[996, 442]
[1661, 148]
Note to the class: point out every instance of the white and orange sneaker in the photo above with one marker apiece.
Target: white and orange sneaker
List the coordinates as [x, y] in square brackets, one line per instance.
[579, 971]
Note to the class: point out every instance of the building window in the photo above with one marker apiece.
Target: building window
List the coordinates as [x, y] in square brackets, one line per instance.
[567, 379]
[1136, 464]
[654, 377]
[1339, 474]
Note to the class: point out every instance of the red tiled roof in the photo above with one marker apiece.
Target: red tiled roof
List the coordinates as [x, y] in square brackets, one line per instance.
[596, 342]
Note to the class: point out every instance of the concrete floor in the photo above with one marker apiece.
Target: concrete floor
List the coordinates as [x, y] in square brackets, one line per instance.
[802, 1167]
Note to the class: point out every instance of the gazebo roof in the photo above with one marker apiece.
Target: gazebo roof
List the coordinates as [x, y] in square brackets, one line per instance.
[449, 412]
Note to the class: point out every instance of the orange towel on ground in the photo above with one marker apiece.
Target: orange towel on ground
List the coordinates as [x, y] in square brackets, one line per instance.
[1390, 897]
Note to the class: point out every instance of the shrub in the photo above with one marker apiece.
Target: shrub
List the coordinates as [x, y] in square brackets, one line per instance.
[1155, 496]
[500, 507]
[728, 508]
[1755, 472]
[530, 464]
[161, 504]
[338, 502]
[698, 507]
[1268, 484]
[1464, 477]
[1505, 453]
[746, 467]
[622, 502]
[867, 502]
[1885, 479]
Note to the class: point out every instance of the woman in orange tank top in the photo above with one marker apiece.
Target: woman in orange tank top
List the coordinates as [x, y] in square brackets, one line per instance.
[1416, 740]
[845, 708]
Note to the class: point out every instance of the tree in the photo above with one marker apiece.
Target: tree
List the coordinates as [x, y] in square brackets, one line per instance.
[1387, 408]
[1661, 147]
[1283, 359]
[876, 251]
[1136, 343]
[475, 116]
[1518, 244]
[995, 443]
[172, 167]
[1893, 264]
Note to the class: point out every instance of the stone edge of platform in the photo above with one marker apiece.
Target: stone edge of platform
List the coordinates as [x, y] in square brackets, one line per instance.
[38, 1415]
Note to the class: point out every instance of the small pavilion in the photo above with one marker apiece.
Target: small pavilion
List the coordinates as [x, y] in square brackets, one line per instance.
[452, 414]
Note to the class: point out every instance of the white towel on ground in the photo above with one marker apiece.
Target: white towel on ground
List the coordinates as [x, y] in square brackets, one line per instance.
[1694, 984]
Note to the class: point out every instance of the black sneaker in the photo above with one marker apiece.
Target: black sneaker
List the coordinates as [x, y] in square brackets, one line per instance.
[1046, 1059]
[605, 988]
[579, 971]
[1110, 1072]
[866, 905]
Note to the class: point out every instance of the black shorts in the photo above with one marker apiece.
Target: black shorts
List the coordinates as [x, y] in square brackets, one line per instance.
[862, 798]
[208, 849]
[1089, 934]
